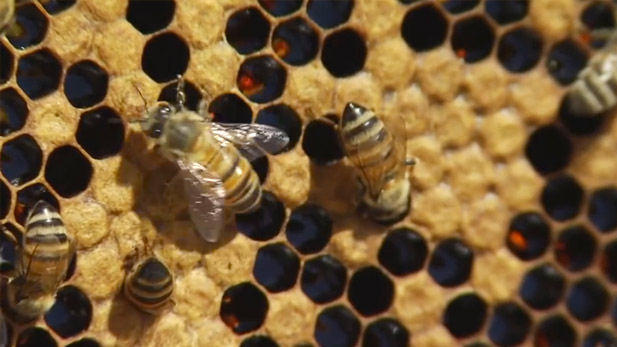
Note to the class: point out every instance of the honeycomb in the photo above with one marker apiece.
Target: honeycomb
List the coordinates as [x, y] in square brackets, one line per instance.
[511, 239]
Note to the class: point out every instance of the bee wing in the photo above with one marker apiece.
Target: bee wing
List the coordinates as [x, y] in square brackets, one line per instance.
[206, 195]
[252, 140]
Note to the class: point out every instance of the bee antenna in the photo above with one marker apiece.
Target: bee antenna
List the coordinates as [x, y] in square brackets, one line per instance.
[180, 95]
[142, 96]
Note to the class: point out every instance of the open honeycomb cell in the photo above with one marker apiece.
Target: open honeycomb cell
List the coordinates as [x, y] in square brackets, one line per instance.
[191, 93]
[520, 49]
[68, 171]
[282, 117]
[71, 313]
[280, 8]
[265, 223]
[548, 149]
[100, 132]
[150, 16]
[276, 267]
[295, 41]
[403, 251]
[472, 38]
[337, 326]
[54, 7]
[459, 6]
[261, 166]
[555, 331]
[542, 287]
[35, 337]
[30, 195]
[370, 291]
[243, 307]
[21, 160]
[261, 78]
[85, 84]
[329, 13]
[39, 73]
[320, 141]
[509, 325]
[562, 197]
[343, 52]
[323, 278]
[85, 342]
[13, 111]
[230, 108]
[506, 12]
[165, 56]
[465, 315]
[575, 248]
[309, 228]
[598, 15]
[565, 60]
[587, 299]
[451, 262]
[600, 337]
[424, 27]
[577, 124]
[247, 30]
[608, 261]
[258, 341]
[30, 26]
[385, 332]
[602, 211]
[7, 63]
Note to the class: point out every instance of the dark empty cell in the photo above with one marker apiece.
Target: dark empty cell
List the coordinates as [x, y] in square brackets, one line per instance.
[266, 222]
[343, 53]
[575, 248]
[329, 13]
[276, 267]
[506, 11]
[477, 344]
[13, 111]
[603, 209]
[509, 325]
[323, 279]
[459, 6]
[555, 331]
[542, 287]
[295, 41]
[71, 313]
[85, 342]
[578, 124]
[261, 167]
[608, 261]
[7, 63]
[587, 299]
[39, 73]
[261, 79]
[56, 6]
[30, 27]
[150, 16]
[85, 84]
[285, 118]
[465, 315]
[67, 171]
[600, 338]
[562, 197]
[424, 28]
[258, 341]
[309, 228]
[9, 248]
[165, 56]
[337, 326]
[565, 60]
[370, 291]
[243, 307]
[385, 332]
[230, 108]
[5, 199]
[403, 251]
[321, 143]
[35, 337]
[100, 132]
[451, 263]
[30, 195]
[548, 149]
[21, 159]
[191, 93]
[247, 30]
[279, 8]
[598, 15]
[520, 49]
[472, 38]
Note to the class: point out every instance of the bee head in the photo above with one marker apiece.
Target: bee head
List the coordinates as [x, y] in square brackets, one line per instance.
[152, 125]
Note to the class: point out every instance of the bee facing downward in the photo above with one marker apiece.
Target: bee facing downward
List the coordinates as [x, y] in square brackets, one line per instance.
[149, 285]
[380, 158]
[213, 159]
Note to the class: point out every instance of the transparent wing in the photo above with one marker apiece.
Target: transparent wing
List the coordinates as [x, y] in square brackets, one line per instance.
[205, 194]
[252, 140]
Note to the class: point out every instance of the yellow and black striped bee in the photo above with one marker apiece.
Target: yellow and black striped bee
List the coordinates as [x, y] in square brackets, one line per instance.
[7, 12]
[149, 285]
[380, 157]
[213, 159]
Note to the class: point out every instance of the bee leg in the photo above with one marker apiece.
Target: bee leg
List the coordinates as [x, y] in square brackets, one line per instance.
[180, 95]
[202, 110]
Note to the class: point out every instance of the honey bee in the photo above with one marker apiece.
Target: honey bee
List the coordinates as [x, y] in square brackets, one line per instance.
[7, 12]
[149, 285]
[213, 159]
[380, 158]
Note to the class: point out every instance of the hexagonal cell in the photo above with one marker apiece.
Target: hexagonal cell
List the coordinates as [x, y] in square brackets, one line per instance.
[5, 197]
[276, 267]
[509, 325]
[337, 326]
[85, 84]
[329, 13]
[150, 16]
[7, 63]
[165, 56]
[320, 142]
[67, 171]
[555, 331]
[247, 30]
[403, 251]
[21, 160]
[598, 15]
[472, 38]
[506, 12]
[579, 124]
[520, 49]
[562, 197]
[13, 111]
[295, 41]
[279, 8]
[100, 132]
[465, 315]
[424, 27]
[71, 313]
[542, 287]
[600, 338]
[259, 341]
[608, 261]
[370, 291]
[85, 342]
[548, 149]
[265, 223]
[309, 228]
[39, 73]
[385, 332]
[9, 248]
[451, 263]
[30, 195]
[587, 299]
[575, 248]
[285, 118]
[602, 210]
[243, 307]
[191, 93]
[230, 108]
[261, 79]
[30, 27]
[323, 279]
[35, 337]
[459, 6]
[343, 53]
[565, 60]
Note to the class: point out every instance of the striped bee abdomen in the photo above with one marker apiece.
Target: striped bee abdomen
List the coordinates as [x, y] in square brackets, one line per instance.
[392, 205]
[149, 285]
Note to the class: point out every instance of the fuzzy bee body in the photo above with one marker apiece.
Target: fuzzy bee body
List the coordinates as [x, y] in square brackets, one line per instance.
[149, 285]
